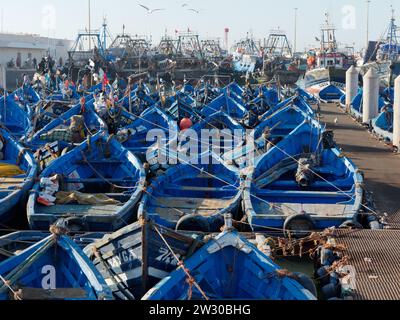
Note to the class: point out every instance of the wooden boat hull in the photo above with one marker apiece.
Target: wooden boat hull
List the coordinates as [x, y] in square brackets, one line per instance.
[98, 166]
[273, 195]
[135, 258]
[14, 190]
[199, 192]
[229, 268]
[54, 268]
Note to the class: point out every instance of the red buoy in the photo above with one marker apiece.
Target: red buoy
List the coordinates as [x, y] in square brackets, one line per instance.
[185, 124]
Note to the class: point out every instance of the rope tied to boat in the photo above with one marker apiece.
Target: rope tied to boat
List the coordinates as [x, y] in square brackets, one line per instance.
[8, 285]
[20, 155]
[58, 231]
[181, 265]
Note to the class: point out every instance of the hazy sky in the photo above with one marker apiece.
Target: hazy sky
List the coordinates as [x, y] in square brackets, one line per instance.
[65, 17]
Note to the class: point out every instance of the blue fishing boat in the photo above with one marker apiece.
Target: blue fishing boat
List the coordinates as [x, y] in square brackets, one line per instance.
[272, 130]
[305, 183]
[69, 128]
[135, 258]
[193, 195]
[99, 185]
[229, 267]
[53, 269]
[226, 103]
[27, 97]
[218, 132]
[14, 117]
[356, 107]
[13, 243]
[134, 136]
[18, 169]
[382, 126]
[184, 106]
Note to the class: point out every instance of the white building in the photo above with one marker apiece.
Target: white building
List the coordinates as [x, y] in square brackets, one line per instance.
[33, 46]
[27, 46]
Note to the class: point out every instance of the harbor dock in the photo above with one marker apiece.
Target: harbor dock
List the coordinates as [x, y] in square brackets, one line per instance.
[375, 255]
[375, 158]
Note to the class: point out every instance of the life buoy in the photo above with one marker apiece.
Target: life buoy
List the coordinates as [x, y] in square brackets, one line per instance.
[299, 225]
[193, 222]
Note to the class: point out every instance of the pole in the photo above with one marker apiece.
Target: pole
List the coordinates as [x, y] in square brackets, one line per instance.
[368, 4]
[370, 96]
[2, 20]
[295, 30]
[396, 115]
[90, 44]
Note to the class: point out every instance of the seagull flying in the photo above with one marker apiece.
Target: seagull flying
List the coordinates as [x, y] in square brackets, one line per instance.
[150, 11]
[185, 5]
[194, 10]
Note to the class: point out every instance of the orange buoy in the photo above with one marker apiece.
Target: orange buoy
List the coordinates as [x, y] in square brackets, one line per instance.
[185, 124]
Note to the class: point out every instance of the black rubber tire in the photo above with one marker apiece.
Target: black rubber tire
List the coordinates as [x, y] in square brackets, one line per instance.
[350, 224]
[304, 223]
[306, 282]
[193, 222]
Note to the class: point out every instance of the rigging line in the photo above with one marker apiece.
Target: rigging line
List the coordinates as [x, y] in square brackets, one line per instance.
[228, 184]
[182, 266]
[325, 180]
[10, 288]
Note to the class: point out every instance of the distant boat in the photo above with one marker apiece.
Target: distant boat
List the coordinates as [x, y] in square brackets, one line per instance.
[193, 197]
[384, 56]
[303, 184]
[151, 119]
[326, 77]
[18, 169]
[92, 124]
[275, 126]
[229, 268]
[135, 258]
[99, 167]
[229, 103]
[53, 269]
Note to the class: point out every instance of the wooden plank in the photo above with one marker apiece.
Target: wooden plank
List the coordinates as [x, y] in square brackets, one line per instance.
[56, 294]
[190, 203]
[79, 209]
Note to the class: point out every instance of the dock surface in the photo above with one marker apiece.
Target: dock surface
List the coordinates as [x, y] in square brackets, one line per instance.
[375, 255]
[376, 159]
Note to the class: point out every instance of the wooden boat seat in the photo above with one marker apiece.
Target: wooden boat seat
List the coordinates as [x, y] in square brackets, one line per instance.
[174, 208]
[79, 210]
[56, 294]
[11, 183]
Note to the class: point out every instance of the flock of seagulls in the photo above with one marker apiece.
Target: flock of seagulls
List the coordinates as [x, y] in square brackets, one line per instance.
[184, 5]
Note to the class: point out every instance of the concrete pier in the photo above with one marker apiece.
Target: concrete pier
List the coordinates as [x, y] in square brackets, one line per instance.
[374, 158]
[370, 96]
[351, 85]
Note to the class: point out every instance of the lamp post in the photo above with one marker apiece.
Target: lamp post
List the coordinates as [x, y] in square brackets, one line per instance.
[295, 30]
